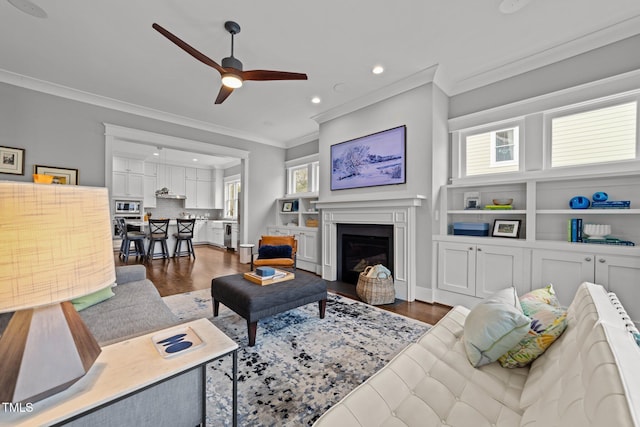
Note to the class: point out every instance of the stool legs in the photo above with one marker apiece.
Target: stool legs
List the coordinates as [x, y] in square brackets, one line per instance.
[189, 252]
[163, 247]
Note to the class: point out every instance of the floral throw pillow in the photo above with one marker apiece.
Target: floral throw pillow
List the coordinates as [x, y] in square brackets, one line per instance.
[546, 295]
[548, 322]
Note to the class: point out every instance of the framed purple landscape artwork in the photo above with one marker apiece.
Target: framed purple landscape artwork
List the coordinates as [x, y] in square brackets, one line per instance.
[370, 161]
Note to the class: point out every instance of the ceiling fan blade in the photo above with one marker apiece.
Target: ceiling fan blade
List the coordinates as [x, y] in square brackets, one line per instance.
[223, 94]
[189, 49]
[272, 75]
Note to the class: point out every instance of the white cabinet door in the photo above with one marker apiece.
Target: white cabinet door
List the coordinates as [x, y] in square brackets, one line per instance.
[498, 267]
[204, 194]
[307, 245]
[191, 191]
[119, 183]
[149, 191]
[120, 164]
[135, 185]
[565, 270]
[620, 274]
[457, 268]
[177, 181]
[190, 173]
[127, 184]
[218, 236]
[204, 175]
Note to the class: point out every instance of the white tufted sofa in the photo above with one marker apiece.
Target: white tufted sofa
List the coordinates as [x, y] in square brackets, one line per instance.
[589, 377]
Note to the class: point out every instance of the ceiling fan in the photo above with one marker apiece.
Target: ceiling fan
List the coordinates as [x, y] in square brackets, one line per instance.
[231, 69]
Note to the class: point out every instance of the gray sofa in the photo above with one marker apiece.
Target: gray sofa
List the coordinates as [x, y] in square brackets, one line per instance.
[136, 309]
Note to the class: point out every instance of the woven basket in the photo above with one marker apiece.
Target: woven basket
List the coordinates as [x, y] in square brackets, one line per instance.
[375, 290]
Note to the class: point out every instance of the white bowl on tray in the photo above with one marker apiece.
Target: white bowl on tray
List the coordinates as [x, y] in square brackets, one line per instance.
[596, 231]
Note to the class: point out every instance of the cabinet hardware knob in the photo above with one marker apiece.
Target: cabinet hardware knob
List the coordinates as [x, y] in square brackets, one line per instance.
[470, 248]
[479, 249]
[602, 260]
[588, 259]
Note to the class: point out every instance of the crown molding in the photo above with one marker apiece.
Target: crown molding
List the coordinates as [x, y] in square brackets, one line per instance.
[114, 104]
[303, 139]
[528, 62]
[411, 82]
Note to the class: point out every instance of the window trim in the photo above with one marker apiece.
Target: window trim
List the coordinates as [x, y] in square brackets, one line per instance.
[231, 179]
[460, 143]
[313, 174]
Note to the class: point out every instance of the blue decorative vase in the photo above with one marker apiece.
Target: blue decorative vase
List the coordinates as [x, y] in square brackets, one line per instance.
[600, 196]
[579, 202]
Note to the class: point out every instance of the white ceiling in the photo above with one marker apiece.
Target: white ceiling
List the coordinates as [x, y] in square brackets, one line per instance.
[157, 154]
[108, 48]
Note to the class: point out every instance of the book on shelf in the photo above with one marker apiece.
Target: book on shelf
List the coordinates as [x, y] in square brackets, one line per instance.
[499, 207]
[612, 204]
[574, 230]
[609, 241]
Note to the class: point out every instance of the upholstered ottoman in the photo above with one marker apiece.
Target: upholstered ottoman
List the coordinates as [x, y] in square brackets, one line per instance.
[254, 302]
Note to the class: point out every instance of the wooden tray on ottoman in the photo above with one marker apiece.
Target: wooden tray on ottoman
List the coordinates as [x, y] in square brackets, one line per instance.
[281, 276]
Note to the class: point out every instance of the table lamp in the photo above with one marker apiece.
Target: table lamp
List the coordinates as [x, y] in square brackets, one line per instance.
[56, 245]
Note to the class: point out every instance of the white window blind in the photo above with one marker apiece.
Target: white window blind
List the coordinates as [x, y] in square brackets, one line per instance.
[596, 136]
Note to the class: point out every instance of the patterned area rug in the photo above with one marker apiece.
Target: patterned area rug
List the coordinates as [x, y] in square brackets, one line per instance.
[301, 365]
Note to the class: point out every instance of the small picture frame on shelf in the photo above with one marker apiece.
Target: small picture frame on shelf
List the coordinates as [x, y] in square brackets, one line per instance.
[472, 200]
[287, 206]
[506, 228]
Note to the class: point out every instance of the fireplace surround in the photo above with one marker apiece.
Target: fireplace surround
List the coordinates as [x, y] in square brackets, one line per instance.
[399, 213]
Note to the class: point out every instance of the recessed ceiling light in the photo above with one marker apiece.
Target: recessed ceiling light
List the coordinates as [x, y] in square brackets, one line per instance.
[511, 6]
[29, 8]
[195, 160]
[156, 154]
[316, 100]
[378, 69]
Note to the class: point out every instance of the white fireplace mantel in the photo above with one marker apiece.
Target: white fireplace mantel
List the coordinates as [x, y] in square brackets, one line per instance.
[399, 212]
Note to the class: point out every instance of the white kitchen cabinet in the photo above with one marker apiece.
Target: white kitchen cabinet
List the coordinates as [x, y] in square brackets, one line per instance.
[479, 270]
[234, 236]
[200, 232]
[217, 183]
[176, 179]
[124, 164]
[215, 233]
[199, 194]
[126, 184]
[150, 187]
[567, 270]
[127, 177]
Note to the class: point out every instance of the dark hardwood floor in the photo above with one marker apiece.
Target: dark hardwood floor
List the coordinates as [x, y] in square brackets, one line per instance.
[178, 275]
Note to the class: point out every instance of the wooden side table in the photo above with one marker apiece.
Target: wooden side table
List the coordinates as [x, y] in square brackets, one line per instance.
[128, 369]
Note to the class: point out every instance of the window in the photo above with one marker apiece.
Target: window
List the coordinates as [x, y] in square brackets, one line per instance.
[595, 136]
[494, 151]
[231, 195]
[303, 178]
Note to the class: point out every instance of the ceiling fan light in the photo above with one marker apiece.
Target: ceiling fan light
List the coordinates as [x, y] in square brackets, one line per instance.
[231, 81]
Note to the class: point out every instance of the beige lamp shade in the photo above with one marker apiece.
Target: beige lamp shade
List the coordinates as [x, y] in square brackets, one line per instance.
[55, 243]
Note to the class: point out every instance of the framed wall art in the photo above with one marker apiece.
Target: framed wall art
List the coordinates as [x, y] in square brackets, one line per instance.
[12, 160]
[60, 175]
[287, 207]
[369, 161]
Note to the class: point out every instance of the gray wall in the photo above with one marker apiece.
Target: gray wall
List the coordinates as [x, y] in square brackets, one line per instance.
[59, 132]
[302, 150]
[426, 128]
[607, 61]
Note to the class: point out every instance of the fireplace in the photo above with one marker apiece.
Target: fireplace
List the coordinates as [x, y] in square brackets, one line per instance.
[362, 245]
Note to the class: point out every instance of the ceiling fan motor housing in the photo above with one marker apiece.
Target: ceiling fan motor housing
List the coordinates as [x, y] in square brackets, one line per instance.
[232, 62]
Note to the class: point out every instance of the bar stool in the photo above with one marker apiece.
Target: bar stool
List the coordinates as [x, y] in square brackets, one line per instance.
[128, 237]
[184, 234]
[158, 233]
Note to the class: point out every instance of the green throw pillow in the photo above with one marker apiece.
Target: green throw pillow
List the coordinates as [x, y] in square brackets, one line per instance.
[493, 327]
[92, 299]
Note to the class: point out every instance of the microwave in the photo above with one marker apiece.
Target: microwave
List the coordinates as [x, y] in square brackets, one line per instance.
[128, 207]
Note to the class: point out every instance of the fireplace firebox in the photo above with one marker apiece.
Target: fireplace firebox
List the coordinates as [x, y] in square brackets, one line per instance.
[361, 245]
